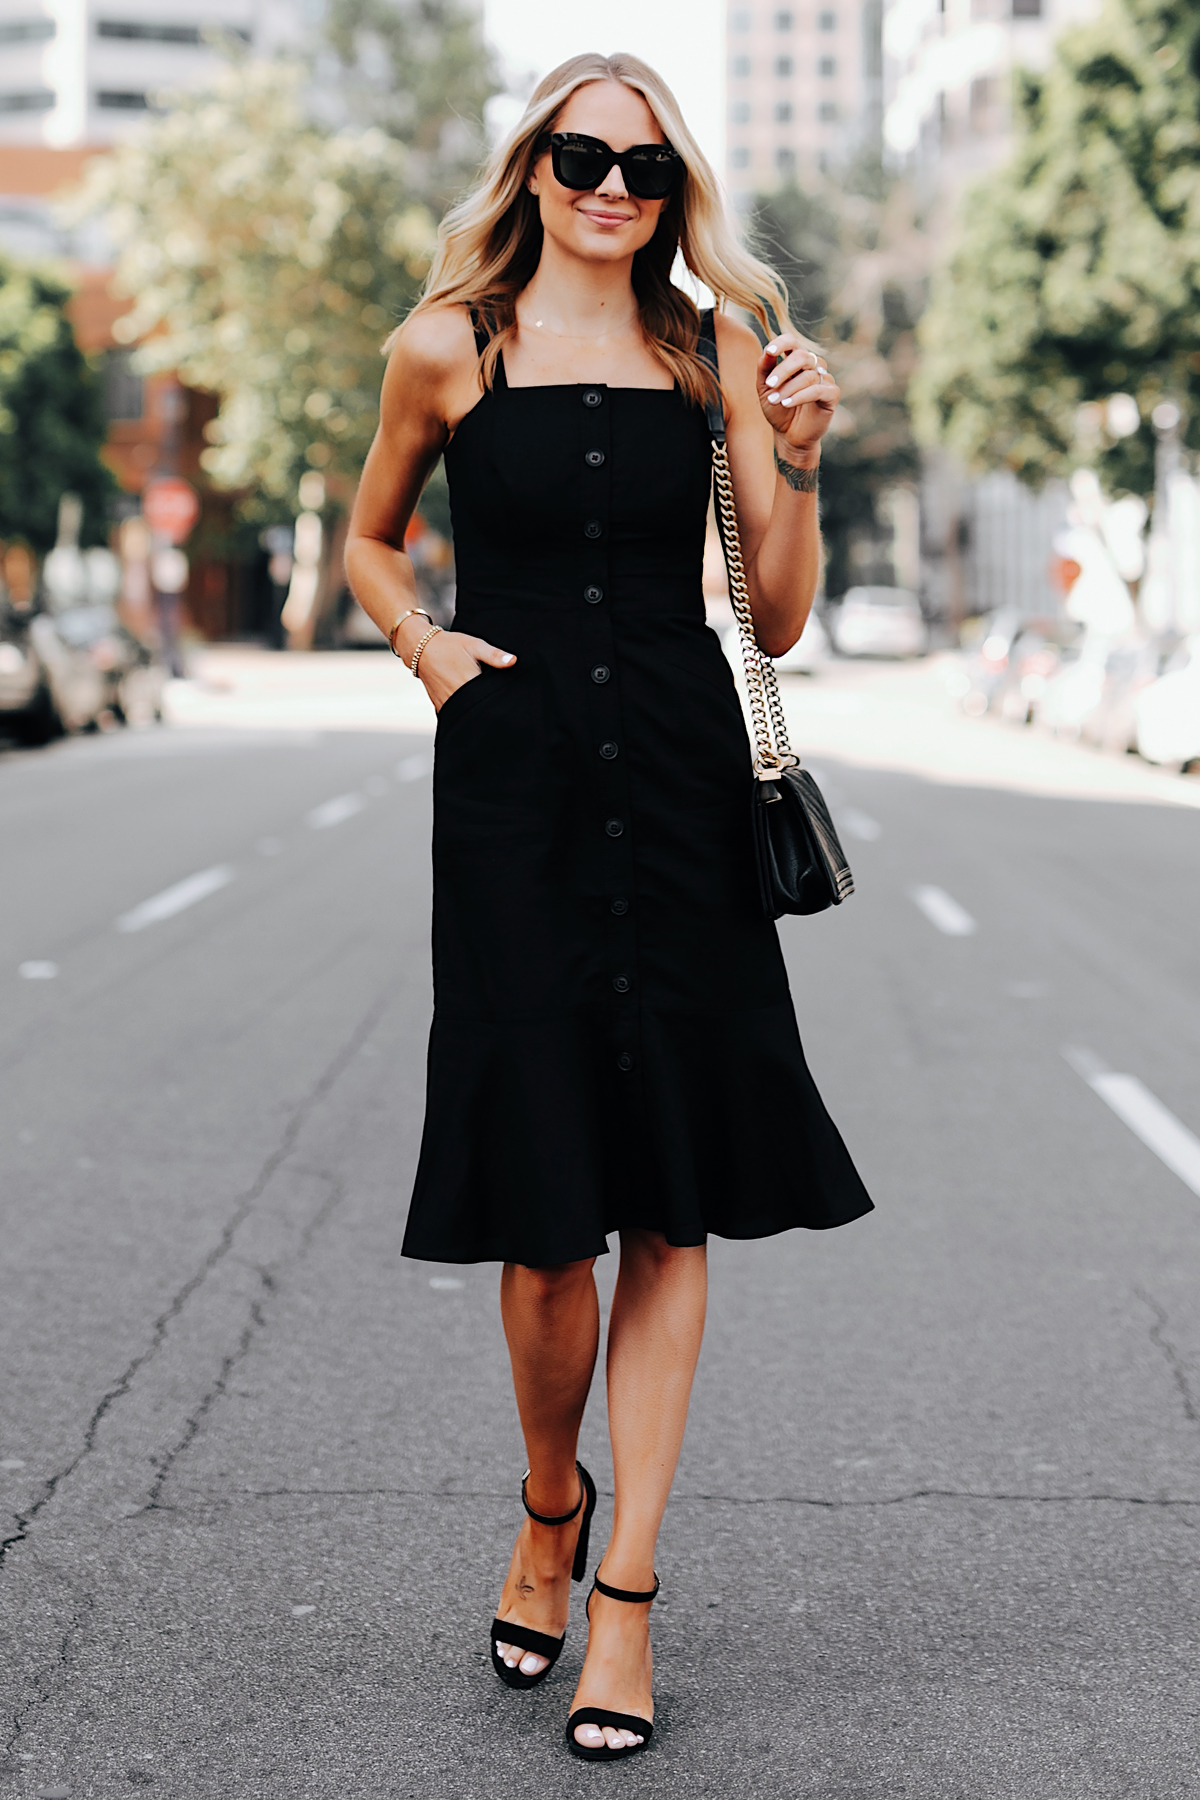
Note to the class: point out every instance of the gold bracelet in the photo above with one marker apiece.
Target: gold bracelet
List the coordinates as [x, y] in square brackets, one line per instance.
[419, 610]
[421, 643]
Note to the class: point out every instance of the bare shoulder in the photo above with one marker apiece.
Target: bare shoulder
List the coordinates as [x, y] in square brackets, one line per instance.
[433, 366]
[737, 346]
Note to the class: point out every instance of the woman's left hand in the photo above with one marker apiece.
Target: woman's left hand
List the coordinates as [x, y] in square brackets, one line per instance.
[797, 394]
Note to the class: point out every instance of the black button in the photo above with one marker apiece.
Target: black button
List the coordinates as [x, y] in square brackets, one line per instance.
[593, 529]
[591, 397]
[624, 1062]
[621, 983]
[620, 907]
[600, 674]
[614, 827]
[592, 594]
[594, 459]
[608, 751]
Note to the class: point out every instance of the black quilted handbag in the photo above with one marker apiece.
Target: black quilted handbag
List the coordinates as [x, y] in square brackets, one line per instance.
[802, 867]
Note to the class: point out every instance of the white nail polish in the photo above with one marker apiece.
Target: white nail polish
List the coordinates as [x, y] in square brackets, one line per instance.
[774, 397]
[772, 380]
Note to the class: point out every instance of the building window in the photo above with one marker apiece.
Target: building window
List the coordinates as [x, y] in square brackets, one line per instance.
[739, 19]
[113, 100]
[739, 112]
[785, 160]
[122, 388]
[827, 21]
[741, 67]
[27, 31]
[827, 66]
[147, 32]
[827, 112]
[740, 159]
[783, 65]
[783, 21]
[783, 112]
[31, 100]
[1027, 9]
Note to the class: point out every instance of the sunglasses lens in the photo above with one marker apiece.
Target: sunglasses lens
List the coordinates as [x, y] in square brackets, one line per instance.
[579, 166]
[650, 176]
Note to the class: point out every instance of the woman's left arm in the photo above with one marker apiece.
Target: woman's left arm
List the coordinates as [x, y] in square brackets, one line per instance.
[778, 404]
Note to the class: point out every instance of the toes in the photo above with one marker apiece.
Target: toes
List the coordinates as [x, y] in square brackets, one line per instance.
[508, 1654]
[590, 1736]
[532, 1664]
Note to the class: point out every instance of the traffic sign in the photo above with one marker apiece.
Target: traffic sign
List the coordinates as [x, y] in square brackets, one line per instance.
[170, 506]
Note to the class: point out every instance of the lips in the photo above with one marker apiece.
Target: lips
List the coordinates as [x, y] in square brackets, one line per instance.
[607, 218]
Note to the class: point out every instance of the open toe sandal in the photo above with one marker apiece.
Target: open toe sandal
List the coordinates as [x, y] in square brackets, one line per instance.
[506, 1631]
[600, 1715]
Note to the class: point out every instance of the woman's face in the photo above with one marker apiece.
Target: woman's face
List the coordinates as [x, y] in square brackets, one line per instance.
[607, 223]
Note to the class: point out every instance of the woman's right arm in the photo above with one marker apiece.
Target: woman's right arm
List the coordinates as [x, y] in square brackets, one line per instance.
[430, 383]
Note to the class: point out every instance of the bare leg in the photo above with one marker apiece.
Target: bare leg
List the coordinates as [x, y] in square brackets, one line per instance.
[653, 1342]
[552, 1323]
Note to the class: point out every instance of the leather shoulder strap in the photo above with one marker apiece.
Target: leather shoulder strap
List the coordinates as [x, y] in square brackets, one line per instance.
[706, 349]
[482, 337]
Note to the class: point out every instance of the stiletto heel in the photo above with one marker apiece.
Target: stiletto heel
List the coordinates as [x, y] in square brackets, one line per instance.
[506, 1631]
[600, 1715]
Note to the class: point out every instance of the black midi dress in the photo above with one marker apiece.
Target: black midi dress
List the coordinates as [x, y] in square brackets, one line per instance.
[613, 1041]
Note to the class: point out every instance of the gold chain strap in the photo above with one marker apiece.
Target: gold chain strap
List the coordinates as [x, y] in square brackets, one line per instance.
[772, 750]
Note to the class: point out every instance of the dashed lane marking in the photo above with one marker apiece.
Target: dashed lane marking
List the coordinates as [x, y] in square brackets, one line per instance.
[333, 812]
[859, 824]
[942, 910]
[1144, 1113]
[177, 899]
[411, 768]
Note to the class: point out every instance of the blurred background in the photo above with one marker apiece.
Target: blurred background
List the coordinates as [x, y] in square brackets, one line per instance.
[211, 215]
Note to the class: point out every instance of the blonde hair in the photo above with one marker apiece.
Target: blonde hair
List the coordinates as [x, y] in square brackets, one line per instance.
[490, 242]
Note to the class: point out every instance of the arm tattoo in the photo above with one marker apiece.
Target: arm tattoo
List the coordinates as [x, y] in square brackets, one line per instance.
[801, 481]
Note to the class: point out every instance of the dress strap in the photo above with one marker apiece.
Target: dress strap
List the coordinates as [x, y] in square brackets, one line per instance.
[483, 338]
[706, 349]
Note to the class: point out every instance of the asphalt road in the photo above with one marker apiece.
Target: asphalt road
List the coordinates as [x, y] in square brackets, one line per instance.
[935, 1529]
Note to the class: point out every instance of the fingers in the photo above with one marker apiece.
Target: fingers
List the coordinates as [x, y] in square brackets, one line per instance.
[794, 375]
[813, 388]
[484, 652]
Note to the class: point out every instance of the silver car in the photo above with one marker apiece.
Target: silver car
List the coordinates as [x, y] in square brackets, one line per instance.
[879, 621]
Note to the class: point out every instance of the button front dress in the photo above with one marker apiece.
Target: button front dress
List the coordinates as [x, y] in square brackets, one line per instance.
[613, 1042]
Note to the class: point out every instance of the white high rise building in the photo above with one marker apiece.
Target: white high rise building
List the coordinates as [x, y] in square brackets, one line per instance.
[803, 85]
[947, 77]
[81, 72]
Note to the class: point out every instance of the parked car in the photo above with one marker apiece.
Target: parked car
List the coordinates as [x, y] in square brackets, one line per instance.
[879, 621]
[1017, 659]
[1167, 711]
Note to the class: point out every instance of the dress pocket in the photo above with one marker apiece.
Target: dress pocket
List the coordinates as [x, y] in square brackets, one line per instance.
[467, 694]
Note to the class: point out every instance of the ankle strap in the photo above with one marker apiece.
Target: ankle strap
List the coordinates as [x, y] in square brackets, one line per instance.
[564, 1518]
[612, 1593]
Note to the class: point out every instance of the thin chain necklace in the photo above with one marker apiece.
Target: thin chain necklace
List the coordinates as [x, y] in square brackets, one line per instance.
[587, 337]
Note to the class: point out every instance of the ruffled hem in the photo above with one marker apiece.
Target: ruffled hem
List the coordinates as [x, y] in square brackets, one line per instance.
[544, 1136]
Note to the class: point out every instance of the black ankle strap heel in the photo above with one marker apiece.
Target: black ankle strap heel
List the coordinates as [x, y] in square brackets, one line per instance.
[507, 1631]
[600, 1715]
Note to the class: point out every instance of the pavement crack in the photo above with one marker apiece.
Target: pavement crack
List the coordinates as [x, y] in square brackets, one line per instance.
[1170, 1355]
[820, 1502]
[43, 1683]
[328, 1079]
[209, 1400]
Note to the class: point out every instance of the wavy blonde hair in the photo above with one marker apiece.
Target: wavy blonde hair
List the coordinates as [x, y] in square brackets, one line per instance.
[489, 243]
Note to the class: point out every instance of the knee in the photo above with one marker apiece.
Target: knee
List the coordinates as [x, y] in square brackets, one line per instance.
[549, 1286]
[652, 1253]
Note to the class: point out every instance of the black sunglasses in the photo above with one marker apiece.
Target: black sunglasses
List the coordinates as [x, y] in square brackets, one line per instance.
[649, 171]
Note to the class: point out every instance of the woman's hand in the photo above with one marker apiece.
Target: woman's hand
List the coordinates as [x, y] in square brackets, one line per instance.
[451, 658]
[797, 393]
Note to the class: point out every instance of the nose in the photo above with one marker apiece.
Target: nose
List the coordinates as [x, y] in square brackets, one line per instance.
[613, 186]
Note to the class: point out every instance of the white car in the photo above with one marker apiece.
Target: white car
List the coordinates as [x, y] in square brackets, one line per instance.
[1167, 713]
[879, 621]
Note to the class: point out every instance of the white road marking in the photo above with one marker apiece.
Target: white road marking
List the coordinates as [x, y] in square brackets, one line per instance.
[333, 812]
[38, 971]
[412, 768]
[859, 824]
[1144, 1113]
[177, 899]
[944, 911]
[445, 1282]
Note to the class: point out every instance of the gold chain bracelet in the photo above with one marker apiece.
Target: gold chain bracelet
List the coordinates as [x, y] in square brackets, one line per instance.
[421, 643]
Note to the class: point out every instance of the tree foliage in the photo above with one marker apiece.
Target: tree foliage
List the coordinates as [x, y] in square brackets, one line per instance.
[1077, 269]
[266, 258]
[421, 71]
[853, 262]
[52, 420]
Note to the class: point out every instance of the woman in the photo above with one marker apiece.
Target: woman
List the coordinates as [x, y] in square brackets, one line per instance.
[612, 1025]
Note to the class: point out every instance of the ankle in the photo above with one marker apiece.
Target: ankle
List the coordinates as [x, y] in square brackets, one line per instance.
[633, 1572]
[553, 1492]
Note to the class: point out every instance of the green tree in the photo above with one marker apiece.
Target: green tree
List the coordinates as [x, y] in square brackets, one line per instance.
[52, 420]
[854, 263]
[1077, 269]
[420, 70]
[266, 258]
